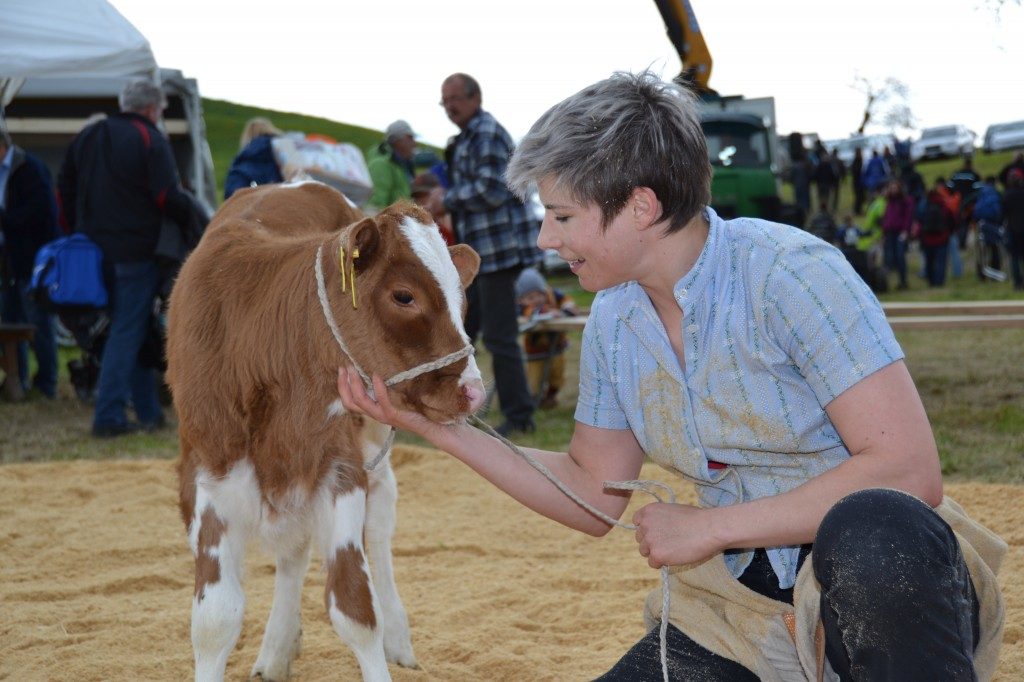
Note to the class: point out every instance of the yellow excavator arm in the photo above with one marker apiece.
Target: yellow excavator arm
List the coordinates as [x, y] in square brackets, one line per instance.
[684, 32]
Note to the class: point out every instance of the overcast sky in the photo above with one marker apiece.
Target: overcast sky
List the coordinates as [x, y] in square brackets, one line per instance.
[372, 61]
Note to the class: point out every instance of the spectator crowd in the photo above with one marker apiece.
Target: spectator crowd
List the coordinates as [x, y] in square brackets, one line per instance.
[893, 209]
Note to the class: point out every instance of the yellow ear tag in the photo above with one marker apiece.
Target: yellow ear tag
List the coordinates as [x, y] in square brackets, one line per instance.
[341, 266]
[352, 276]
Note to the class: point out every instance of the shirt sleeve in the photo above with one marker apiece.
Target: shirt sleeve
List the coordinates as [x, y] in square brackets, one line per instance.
[165, 184]
[485, 190]
[597, 405]
[827, 320]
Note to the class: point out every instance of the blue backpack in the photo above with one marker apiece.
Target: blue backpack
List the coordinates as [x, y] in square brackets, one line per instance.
[68, 273]
[988, 205]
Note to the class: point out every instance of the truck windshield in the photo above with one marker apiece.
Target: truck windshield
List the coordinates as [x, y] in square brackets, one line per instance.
[736, 145]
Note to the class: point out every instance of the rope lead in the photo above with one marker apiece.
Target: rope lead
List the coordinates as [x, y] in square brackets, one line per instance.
[649, 487]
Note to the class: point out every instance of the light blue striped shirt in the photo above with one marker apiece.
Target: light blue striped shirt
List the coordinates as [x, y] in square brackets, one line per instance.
[776, 324]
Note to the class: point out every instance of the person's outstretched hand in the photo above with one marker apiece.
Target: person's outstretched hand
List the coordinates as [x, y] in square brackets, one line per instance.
[355, 399]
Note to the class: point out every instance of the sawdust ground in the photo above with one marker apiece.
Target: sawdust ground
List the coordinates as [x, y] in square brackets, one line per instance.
[96, 580]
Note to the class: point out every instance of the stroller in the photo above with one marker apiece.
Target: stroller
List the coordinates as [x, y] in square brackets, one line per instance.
[89, 329]
[991, 237]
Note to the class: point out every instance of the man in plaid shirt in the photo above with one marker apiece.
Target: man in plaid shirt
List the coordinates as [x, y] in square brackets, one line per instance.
[492, 220]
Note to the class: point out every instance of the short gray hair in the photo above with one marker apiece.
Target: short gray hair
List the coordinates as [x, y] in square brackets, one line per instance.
[628, 131]
[140, 94]
[5, 137]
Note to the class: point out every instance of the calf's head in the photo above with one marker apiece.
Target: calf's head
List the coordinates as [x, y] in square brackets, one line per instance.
[409, 310]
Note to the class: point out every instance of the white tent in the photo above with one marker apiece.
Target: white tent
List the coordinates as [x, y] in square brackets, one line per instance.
[67, 59]
[68, 38]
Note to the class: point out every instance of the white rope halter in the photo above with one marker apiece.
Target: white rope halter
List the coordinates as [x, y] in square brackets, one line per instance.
[430, 366]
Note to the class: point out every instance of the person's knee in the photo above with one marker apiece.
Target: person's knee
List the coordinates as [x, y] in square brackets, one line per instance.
[878, 539]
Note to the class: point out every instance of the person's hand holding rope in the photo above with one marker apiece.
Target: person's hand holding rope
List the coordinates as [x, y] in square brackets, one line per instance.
[674, 534]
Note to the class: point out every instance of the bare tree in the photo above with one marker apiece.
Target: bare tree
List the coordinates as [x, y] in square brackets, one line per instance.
[996, 6]
[887, 102]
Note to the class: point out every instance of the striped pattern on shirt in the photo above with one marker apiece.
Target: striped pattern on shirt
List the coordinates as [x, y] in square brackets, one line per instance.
[776, 324]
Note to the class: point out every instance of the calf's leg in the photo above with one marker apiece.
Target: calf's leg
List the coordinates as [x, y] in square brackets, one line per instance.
[380, 527]
[282, 640]
[218, 543]
[349, 596]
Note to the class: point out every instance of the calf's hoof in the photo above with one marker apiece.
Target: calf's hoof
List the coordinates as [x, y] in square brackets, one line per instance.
[398, 649]
[276, 667]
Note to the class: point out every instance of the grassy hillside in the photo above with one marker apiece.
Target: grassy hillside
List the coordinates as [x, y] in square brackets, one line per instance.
[224, 122]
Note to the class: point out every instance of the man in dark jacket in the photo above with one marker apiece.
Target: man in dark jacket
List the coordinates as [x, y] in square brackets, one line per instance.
[117, 183]
[28, 219]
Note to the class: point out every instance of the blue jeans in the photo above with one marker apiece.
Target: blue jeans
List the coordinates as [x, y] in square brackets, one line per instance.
[896, 255]
[121, 376]
[953, 251]
[20, 307]
[935, 264]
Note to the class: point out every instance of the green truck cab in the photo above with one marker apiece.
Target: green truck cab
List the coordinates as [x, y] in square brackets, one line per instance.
[743, 148]
[742, 183]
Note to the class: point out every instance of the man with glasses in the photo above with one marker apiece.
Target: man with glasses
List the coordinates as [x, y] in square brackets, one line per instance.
[492, 220]
[118, 181]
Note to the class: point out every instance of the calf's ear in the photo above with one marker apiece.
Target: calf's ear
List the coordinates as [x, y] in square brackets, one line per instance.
[467, 262]
[364, 236]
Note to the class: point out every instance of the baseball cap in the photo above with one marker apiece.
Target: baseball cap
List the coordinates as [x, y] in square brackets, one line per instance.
[397, 129]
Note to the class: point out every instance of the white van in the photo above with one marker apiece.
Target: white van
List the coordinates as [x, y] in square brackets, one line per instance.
[846, 149]
[1003, 136]
[942, 142]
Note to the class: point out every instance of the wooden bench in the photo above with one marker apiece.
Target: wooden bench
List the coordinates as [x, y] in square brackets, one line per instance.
[10, 336]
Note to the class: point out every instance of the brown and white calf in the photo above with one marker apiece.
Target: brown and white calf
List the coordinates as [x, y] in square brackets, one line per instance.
[266, 448]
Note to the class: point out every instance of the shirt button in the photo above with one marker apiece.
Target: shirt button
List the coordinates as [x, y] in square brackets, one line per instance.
[692, 328]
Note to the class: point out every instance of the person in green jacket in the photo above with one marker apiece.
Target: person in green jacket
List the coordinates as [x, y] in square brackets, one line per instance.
[390, 165]
[871, 233]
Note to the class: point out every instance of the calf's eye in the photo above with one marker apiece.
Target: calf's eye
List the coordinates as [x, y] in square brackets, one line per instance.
[402, 297]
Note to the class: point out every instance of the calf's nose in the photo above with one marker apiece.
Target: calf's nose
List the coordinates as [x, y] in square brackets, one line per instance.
[475, 394]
